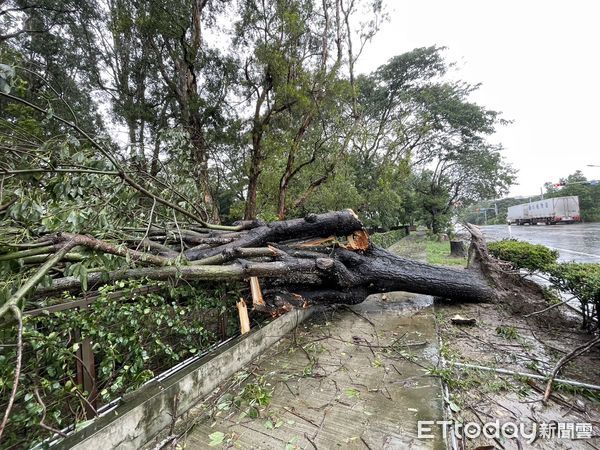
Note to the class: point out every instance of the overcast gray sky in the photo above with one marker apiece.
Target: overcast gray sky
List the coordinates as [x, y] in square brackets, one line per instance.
[538, 62]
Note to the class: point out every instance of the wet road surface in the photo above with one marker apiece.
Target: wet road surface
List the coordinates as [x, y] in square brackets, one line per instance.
[575, 242]
[350, 379]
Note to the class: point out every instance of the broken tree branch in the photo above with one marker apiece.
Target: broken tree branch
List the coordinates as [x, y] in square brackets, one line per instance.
[19, 317]
[565, 359]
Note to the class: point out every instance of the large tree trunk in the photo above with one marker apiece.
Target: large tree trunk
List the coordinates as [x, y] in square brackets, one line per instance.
[253, 176]
[300, 261]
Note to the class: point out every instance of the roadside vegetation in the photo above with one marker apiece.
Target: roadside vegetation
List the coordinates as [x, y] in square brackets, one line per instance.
[486, 365]
[420, 245]
[149, 131]
[579, 281]
[438, 252]
[135, 330]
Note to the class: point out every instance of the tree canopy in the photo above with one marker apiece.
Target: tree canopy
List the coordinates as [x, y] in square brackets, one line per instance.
[230, 110]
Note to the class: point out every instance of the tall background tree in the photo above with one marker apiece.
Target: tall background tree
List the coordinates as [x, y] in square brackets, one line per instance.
[242, 109]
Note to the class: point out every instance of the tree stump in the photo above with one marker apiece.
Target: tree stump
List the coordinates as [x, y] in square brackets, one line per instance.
[457, 249]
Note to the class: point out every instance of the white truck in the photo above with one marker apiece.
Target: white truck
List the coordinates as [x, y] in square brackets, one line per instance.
[550, 211]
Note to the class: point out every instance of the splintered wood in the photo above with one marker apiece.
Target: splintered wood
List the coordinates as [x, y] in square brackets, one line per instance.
[359, 240]
[244, 319]
[257, 298]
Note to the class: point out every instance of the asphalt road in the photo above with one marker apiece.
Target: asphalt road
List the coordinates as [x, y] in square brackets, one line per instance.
[576, 242]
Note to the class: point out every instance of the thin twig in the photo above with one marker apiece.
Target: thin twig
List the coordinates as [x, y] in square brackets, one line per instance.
[549, 307]
[42, 424]
[565, 359]
[149, 224]
[179, 231]
[17, 313]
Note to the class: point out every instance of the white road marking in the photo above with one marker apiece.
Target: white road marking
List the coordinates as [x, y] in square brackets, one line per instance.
[573, 251]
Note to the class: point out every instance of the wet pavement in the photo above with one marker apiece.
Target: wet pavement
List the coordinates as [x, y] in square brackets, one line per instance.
[352, 378]
[575, 242]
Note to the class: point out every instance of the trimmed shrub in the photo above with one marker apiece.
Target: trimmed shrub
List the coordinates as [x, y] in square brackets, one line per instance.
[524, 255]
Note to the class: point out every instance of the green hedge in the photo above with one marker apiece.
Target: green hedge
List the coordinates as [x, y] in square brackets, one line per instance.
[581, 280]
[524, 255]
[388, 238]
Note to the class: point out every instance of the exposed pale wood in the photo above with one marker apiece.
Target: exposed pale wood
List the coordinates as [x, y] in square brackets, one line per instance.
[244, 319]
[359, 240]
[317, 242]
[257, 297]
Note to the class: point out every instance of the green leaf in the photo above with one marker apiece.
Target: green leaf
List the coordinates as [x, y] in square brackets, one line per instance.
[453, 406]
[216, 438]
[83, 277]
[352, 393]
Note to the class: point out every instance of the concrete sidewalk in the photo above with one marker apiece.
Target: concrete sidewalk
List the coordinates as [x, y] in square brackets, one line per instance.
[352, 378]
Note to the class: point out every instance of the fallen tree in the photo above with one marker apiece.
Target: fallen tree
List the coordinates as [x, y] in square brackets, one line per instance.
[324, 258]
[320, 259]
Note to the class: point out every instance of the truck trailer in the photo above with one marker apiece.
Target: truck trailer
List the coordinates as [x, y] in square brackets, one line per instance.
[550, 211]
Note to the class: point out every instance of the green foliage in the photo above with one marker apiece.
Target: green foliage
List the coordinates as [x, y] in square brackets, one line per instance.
[413, 113]
[551, 294]
[524, 255]
[507, 332]
[134, 337]
[254, 396]
[581, 280]
[217, 438]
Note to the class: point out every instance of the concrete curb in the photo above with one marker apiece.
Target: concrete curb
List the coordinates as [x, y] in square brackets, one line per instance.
[150, 410]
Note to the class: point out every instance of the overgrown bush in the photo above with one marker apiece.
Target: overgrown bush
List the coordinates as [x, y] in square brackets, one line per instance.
[524, 255]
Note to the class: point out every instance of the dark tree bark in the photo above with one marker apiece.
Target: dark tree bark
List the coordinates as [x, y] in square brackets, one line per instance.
[299, 261]
[342, 223]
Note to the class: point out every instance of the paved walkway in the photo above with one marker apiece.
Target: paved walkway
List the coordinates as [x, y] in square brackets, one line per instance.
[352, 378]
